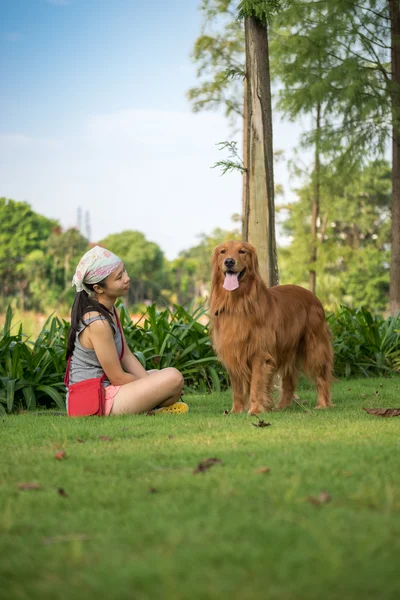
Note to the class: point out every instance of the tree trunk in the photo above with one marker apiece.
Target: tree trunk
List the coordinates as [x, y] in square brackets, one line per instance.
[259, 213]
[54, 273]
[315, 208]
[394, 9]
[66, 269]
[245, 152]
[22, 284]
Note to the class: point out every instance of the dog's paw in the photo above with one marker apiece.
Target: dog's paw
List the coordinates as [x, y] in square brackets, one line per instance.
[257, 410]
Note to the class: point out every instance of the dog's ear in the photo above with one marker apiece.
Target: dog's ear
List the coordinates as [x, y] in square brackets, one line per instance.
[253, 259]
[217, 274]
[215, 255]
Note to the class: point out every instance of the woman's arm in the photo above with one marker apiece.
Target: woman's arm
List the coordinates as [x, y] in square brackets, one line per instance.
[130, 363]
[102, 339]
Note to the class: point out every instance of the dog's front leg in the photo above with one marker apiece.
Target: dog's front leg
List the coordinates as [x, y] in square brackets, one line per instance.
[240, 393]
[262, 379]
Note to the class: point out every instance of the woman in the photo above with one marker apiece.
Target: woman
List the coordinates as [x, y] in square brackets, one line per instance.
[95, 343]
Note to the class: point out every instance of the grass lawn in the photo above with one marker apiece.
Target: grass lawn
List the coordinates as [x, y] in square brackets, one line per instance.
[134, 521]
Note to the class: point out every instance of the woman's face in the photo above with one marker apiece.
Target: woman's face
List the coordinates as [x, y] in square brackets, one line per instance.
[117, 282]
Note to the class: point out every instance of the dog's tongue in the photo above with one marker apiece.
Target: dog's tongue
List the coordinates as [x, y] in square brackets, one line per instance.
[231, 281]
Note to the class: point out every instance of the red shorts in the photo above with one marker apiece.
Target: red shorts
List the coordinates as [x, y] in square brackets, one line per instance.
[110, 393]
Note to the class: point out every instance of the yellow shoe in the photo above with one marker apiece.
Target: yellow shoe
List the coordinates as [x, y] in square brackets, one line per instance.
[178, 408]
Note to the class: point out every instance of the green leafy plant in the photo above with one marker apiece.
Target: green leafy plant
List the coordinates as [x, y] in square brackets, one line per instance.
[31, 373]
[177, 339]
[364, 344]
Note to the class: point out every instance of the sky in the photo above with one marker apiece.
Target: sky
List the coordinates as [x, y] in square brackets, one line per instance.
[93, 116]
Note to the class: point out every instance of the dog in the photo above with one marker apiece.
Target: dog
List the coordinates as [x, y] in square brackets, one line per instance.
[260, 332]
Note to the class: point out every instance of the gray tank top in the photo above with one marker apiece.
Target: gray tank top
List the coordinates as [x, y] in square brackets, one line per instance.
[84, 362]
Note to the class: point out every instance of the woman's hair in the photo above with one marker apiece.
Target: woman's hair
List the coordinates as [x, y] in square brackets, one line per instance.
[83, 303]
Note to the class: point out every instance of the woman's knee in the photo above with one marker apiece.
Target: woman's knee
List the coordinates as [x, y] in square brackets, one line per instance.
[175, 377]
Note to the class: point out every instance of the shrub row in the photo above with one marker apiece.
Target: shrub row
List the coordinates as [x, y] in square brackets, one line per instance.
[31, 372]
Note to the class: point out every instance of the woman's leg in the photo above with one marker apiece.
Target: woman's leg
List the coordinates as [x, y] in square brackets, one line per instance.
[160, 388]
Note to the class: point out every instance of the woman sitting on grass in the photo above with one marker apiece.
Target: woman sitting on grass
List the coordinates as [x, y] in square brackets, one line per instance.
[95, 343]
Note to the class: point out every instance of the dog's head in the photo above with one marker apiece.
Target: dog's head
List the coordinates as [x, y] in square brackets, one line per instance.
[234, 263]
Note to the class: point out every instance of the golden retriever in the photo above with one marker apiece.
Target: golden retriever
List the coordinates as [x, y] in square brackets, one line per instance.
[259, 332]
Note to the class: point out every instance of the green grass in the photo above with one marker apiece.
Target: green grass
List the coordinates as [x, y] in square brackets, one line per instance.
[226, 533]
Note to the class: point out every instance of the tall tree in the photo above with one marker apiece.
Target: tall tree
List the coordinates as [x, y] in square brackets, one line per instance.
[359, 88]
[65, 248]
[354, 250]
[394, 12]
[22, 232]
[316, 204]
[144, 262]
[357, 48]
[220, 57]
[303, 73]
[219, 53]
[259, 205]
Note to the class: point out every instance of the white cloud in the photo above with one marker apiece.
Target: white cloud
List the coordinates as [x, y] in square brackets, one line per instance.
[145, 170]
[156, 127]
[20, 142]
[148, 170]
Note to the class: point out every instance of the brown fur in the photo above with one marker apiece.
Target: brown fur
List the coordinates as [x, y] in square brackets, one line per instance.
[259, 332]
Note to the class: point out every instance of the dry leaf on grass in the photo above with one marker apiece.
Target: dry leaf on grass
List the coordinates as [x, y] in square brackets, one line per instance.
[105, 438]
[80, 440]
[261, 423]
[226, 412]
[60, 455]
[323, 498]
[206, 464]
[171, 437]
[153, 490]
[62, 492]
[263, 470]
[29, 485]
[383, 412]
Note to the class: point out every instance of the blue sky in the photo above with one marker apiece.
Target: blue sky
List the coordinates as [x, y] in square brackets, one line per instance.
[93, 114]
[65, 59]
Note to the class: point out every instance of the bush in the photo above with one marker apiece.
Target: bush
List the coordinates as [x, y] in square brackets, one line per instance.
[32, 373]
[364, 344]
[176, 339]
